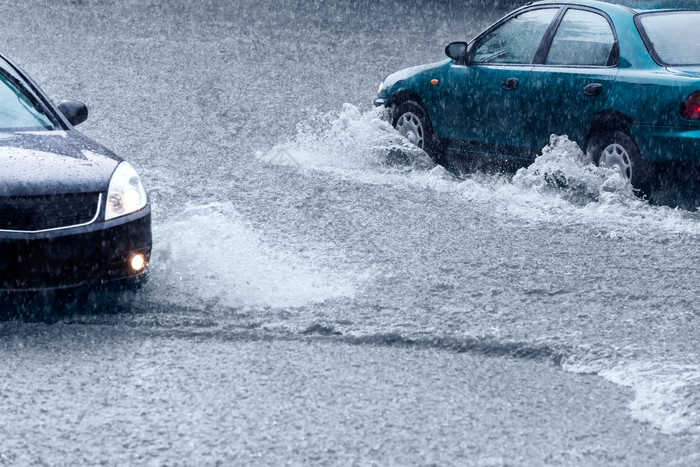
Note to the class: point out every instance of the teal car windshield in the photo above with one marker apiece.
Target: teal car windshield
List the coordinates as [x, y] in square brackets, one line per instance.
[673, 37]
[18, 111]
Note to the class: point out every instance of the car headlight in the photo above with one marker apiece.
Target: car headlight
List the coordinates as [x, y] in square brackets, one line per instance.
[381, 87]
[126, 192]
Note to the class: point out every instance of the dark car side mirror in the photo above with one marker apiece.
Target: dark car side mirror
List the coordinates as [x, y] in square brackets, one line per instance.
[75, 112]
[457, 51]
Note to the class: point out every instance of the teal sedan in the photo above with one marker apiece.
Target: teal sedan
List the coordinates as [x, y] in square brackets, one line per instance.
[623, 82]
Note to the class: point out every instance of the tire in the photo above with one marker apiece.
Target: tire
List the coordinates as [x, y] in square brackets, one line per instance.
[617, 150]
[412, 122]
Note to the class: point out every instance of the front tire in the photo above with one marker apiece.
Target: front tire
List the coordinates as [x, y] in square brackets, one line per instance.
[411, 120]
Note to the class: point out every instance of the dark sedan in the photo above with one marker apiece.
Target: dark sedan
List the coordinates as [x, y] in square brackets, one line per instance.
[73, 214]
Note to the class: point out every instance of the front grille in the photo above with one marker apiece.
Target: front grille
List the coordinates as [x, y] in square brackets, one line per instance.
[26, 264]
[33, 213]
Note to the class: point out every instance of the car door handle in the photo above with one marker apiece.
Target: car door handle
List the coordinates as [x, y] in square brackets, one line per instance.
[511, 84]
[593, 89]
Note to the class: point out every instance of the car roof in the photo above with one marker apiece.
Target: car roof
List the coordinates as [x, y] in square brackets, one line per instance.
[633, 6]
[645, 5]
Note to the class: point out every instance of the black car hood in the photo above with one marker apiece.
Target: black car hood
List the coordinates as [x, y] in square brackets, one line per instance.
[53, 162]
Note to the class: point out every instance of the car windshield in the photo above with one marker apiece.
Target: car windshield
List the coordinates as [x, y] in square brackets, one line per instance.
[17, 110]
[672, 37]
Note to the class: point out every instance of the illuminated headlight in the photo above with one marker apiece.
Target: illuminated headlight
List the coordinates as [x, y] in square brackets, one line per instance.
[381, 87]
[126, 192]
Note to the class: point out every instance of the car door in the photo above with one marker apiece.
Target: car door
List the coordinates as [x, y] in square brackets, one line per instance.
[483, 97]
[574, 79]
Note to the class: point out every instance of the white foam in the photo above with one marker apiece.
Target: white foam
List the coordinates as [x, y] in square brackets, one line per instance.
[667, 395]
[565, 170]
[209, 257]
[561, 186]
[348, 144]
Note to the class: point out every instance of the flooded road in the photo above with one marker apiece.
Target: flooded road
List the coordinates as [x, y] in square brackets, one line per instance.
[317, 299]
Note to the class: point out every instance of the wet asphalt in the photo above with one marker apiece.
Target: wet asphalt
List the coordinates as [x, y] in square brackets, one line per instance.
[312, 304]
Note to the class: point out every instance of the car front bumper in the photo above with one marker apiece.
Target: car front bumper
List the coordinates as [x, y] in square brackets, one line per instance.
[95, 255]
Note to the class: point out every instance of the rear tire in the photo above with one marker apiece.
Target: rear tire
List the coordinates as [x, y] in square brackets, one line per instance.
[617, 150]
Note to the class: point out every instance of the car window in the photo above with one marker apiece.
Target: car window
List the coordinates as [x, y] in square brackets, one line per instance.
[517, 40]
[17, 111]
[673, 36]
[583, 38]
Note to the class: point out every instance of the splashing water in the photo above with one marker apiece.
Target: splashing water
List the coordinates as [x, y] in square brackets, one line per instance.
[561, 185]
[210, 257]
[667, 395]
[565, 170]
[352, 142]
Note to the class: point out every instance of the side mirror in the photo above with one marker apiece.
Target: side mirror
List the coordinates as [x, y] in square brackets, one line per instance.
[75, 112]
[457, 51]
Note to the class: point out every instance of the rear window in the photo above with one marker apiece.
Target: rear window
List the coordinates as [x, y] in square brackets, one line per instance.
[672, 38]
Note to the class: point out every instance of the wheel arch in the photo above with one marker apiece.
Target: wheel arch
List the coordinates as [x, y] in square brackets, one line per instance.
[608, 121]
[407, 95]
[404, 95]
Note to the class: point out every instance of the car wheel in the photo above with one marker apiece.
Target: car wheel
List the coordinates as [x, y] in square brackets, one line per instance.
[412, 122]
[617, 151]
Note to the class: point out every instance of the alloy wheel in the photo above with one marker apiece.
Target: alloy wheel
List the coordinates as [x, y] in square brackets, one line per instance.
[615, 156]
[411, 127]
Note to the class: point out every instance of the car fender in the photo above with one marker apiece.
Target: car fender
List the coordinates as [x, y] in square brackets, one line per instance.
[418, 83]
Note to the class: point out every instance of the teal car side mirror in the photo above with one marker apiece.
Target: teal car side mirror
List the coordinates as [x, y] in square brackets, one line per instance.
[457, 51]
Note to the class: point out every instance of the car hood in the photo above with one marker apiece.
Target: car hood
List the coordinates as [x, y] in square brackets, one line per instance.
[53, 162]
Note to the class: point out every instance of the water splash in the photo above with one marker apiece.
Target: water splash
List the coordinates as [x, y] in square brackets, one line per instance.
[563, 169]
[560, 186]
[351, 142]
[667, 395]
[209, 257]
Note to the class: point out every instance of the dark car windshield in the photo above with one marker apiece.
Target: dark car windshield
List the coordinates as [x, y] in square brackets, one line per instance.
[17, 110]
[672, 38]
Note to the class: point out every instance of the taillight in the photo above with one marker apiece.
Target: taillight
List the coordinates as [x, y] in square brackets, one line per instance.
[691, 107]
